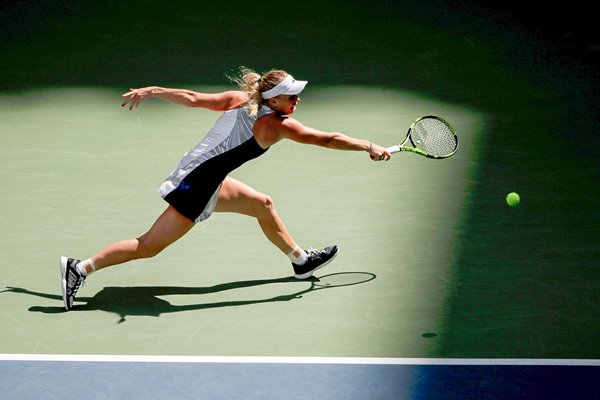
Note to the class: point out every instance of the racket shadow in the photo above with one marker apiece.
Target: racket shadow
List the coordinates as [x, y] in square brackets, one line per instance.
[145, 300]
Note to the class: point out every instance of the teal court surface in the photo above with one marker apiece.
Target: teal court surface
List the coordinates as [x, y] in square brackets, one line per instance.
[440, 291]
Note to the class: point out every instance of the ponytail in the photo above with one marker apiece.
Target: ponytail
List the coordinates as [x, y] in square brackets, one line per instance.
[253, 85]
[248, 82]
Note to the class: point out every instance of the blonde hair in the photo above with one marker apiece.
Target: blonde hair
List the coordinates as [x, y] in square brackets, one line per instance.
[253, 84]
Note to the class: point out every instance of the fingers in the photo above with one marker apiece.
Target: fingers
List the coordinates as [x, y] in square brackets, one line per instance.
[134, 97]
[131, 91]
[130, 101]
[380, 154]
[382, 157]
[128, 98]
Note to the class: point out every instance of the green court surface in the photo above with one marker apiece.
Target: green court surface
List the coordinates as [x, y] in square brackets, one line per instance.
[453, 271]
[90, 170]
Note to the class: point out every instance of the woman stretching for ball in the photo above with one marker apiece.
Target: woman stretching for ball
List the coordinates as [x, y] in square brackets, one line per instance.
[253, 119]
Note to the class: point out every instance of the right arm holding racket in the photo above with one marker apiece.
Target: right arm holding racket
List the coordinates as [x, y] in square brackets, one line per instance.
[271, 129]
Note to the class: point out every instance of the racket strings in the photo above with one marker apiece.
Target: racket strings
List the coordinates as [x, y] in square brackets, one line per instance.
[433, 137]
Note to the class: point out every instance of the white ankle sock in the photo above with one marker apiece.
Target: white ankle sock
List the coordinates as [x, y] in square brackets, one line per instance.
[300, 259]
[81, 267]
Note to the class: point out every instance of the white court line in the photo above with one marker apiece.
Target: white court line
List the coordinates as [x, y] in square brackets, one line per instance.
[299, 360]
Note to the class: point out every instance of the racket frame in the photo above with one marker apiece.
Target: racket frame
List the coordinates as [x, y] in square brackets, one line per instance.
[403, 147]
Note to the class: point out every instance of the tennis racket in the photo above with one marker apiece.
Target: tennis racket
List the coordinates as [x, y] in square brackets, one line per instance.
[429, 136]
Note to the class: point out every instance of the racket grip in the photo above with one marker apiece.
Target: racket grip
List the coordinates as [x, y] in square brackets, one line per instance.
[394, 149]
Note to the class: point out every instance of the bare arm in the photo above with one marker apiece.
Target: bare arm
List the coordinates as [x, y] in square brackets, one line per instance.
[292, 129]
[213, 101]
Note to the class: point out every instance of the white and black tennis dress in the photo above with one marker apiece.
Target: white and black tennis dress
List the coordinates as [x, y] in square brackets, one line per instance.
[193, 187]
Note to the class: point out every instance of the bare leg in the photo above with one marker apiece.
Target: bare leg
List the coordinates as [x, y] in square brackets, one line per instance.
[169, 227]
[237, 197]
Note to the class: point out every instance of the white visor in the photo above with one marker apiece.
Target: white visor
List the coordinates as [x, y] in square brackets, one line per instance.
[288, 86]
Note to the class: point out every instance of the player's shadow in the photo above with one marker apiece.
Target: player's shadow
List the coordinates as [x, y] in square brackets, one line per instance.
[145, 300]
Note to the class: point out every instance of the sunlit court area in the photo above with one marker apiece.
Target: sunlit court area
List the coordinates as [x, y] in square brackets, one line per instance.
[441, 289]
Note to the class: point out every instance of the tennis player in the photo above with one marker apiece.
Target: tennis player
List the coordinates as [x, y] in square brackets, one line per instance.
[253, 119]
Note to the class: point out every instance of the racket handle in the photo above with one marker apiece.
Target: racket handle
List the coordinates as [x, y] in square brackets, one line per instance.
[394, 149]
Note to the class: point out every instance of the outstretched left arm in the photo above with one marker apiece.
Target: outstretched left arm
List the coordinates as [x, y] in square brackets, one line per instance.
[213, 101]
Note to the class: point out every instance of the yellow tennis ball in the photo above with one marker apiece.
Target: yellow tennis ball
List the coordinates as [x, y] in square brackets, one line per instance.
[512, 199]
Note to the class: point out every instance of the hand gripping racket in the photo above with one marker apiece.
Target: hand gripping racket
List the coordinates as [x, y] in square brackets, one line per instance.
[429, 136]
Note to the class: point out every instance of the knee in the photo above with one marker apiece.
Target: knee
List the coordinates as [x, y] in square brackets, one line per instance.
[265, 207]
